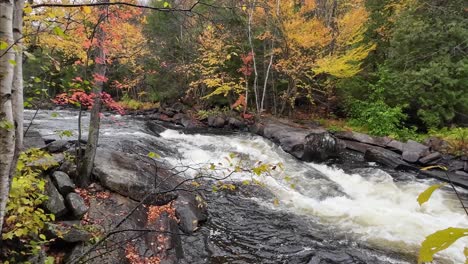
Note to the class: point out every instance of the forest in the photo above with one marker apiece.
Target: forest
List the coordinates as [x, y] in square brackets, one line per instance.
[365, 71]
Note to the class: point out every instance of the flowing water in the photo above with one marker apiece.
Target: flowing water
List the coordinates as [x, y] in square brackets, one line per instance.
[304, 213]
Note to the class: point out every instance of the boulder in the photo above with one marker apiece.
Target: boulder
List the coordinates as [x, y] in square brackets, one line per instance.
[55, 204]
[190, 123]
[63, 182]
[68, 231]
[456, 179]
[363, 138]
[413, 151]
[216, 121]
[235, 123]
[356, 146]
[69, 168]
[76, 204]
[430, 158]
[304, 144]
[58, 146]
[437, 144]
[387, 158]
[33, 139]
[395, 145]
[128, 175]
[190, 212]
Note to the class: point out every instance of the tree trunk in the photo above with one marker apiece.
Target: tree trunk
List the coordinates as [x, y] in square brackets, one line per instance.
[93, 134]
[255, 86]
[17, 89]
[7, 131]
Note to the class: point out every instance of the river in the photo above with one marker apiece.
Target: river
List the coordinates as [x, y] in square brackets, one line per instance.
[302, 213]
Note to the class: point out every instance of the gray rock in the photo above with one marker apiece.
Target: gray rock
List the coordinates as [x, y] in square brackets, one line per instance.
[33, 139]
[68, 231]
[58, 146]
[69, 168]
[395, 145]
[216, 121]
[356, 146]
[455, 165]
[76, 204]
[129, 176]
[55, 204]
[387, 158]
[364, 138]
[413, 151]
[431, 157]
[305, 144]
[437, 144]
[257, 128]
[462, 173]
[235, 123]
[63, 182]
[465, 166]
[190, 212]
[456, 179]
[155, 127]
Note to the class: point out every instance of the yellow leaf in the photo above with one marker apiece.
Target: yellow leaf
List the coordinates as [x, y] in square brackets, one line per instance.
[244, 7]
[276, 202]
[27, 9]
[439, 241]
[466, 255]
[86, 9]
[424, 196]
[434, 167]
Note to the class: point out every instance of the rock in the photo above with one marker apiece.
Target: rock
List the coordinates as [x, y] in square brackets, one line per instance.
[127, 175]
[55, 204]
[68, 231]
[190, 123]
[437, 144]
[155, 127]
[69, 168]
[168, 112]
[456, 179]
[387, 158]
[413, 150]
[76, 204]
[235, 123]
[178, 117]
[462, 173]
[33, 139]
[47, 163]
[63, 182]
[363, 138]
[216, 121]
[179, 107]
[167, 246]
[257, 128]
[160, 117]
[430, 158]
[465, 166]
[304, 144]
[454, 165]
[190, 212]
[356, 146]
[58, 146]
[395, 145]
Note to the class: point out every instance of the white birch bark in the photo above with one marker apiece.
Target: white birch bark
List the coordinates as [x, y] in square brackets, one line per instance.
[7, 131]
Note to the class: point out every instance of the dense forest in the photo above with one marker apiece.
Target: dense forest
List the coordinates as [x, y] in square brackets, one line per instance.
[396, 70]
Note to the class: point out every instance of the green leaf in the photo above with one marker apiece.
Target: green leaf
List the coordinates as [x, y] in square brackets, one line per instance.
[166, 5]
[154, 155]
[438, 241]
[12, 62]
[59, 32]
[212, 166]
[424, 196]
[42, 236]
[3, 45]
[54, 115]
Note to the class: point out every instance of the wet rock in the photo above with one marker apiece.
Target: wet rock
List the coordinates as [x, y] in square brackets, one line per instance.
[413, 150]
[235, 123]
[456, 179]
[68, 231]
[190, 123]
[63, 182]
[155, 127]
[430, 158]
[395, 145]
[167, 246]
[55, 204]
[363, 138]
[465, 166]
[160, 117]
[304, 144]
[257, 128]
[356, 146]
[58, 146]
[387, 158]
[127, 175]
[190, 212]
[216, 121]
[76, 204]
[462, 173]
[33, 139]
[454, 165]
[168, 112]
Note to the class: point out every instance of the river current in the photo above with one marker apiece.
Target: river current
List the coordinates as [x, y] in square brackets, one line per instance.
[303, 213]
